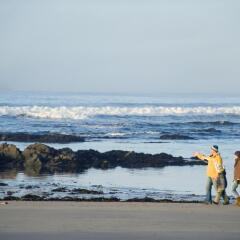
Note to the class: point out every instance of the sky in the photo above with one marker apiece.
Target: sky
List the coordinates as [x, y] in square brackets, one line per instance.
[125, 46]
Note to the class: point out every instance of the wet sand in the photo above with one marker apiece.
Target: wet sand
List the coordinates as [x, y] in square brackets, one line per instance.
[116, 220]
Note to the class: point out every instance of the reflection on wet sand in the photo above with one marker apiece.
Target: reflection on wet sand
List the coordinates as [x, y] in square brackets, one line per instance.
[120, 183]
[9, 174]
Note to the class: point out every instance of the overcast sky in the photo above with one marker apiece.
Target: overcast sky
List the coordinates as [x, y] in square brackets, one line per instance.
[120, 45]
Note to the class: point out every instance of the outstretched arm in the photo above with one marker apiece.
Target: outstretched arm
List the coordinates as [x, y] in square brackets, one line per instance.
[201, 156]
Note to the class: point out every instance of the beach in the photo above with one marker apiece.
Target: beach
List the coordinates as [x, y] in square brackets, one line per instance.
[116, 220]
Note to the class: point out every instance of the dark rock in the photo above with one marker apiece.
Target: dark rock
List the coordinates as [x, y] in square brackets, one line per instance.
[10, 156]
[175, 137]
[209, 130]
[65, 160]
[77, 191]
[43, 138]
[37, 155]
[40, 150]
[45, 158]
[10, 151]
[3, 184]
[31, 187]
[102, 199]
[146, 199]
[97, 186]
[77, 199]
[212, 130]
[40, 158]
[46, 194]
[11, 198]
[215, 123]
[140, 160]
[31, 197]
[85, 191]
[88, 158]
[60, 189]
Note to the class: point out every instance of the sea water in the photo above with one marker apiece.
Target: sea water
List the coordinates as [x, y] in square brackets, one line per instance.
[126, 122]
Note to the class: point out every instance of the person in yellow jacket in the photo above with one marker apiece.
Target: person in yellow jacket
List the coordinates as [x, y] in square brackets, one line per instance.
[216, 176]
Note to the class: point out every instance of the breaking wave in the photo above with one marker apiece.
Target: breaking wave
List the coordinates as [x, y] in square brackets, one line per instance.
[81, 112]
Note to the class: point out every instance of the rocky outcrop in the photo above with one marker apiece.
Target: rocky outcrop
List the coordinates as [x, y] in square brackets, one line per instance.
[78, 191]
[43, 138]
[175, 137]
[10, 156]
[41, 158]
[208, 130]
[36, 156]
[32, 197]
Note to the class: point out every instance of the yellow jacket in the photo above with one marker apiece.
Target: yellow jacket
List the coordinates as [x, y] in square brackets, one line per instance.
[215, 165]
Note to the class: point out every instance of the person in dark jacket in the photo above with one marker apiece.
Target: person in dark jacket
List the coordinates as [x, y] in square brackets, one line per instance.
[236, 180]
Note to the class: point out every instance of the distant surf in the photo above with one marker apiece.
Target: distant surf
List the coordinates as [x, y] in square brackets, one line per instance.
[82, 112]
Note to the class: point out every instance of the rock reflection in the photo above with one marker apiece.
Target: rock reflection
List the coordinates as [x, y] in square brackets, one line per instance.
[8, 174]
[32, 172]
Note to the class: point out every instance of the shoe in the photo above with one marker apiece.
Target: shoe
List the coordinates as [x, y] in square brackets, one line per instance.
[216, 203]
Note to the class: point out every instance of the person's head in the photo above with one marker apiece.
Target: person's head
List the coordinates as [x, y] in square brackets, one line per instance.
[237, 154]
[214, 150]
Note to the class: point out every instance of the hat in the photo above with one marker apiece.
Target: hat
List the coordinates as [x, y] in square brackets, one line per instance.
[237, 153]
[215, 148]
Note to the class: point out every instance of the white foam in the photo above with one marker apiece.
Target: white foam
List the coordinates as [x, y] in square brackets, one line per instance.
[81, 112]
[116, 134]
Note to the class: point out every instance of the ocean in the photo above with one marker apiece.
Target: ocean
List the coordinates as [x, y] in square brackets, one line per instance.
[126, 122]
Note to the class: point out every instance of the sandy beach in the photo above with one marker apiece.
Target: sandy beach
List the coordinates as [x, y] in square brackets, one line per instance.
[116, 220]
